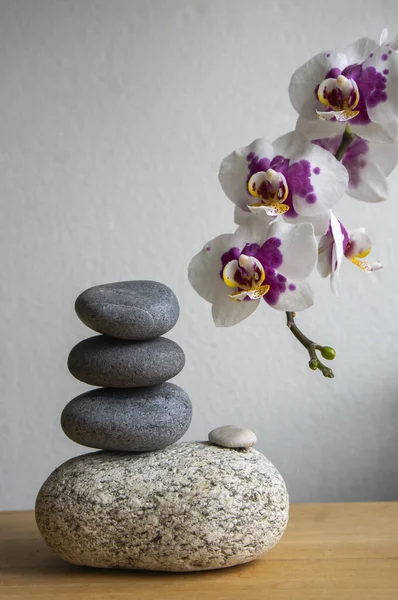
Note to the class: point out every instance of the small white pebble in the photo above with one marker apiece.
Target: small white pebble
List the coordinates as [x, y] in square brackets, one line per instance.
[231, 436]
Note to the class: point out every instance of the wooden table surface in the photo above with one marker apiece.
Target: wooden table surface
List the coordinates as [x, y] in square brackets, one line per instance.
[329, 552]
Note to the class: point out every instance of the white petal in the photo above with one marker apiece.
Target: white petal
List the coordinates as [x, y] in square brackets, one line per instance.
[325, 255]
[360, 242]
[235, 170]
[227, 312]
[319, 129]
[204, 269]
[385, 61]
[377, 132]
[329, 179]
[243, 217]
[385, 156]
[320, 223]
[394, 43]
[383, 36]
[366, 162]
[370, 184]
[254, 230]
[299, 249]
[338, 250]
[307, 77]
[290, 144]
[360, 50]
[294, 300]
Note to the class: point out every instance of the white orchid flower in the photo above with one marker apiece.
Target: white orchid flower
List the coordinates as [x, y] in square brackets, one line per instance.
[235, 271]
[290, 177]
[368, 163]
[358, 86]
[338, 243]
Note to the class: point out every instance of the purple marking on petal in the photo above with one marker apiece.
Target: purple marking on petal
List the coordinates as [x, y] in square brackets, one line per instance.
[372, 87]
[292, 287]
[257, 164]
[390, 52]
[345, 234]
[386, 71]
[384, 57]
[269, 254]
[281, 277]
[279, 163]
[316, 170]
[208, 249]
[298, 178]
[277, 287]
[311, 198]
[333, 73]
[251, 249]
[353, 159]
[231, 254]
[328, 54]
[291, 213]
[371, 55]
[330, 144]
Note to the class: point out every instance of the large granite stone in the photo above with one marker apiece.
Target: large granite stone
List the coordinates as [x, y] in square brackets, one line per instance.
[192, 506]
[109, 362]
[131, 310]
[134, 420]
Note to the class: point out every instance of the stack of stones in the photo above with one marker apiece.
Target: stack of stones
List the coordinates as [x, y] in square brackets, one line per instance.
[135, 410]
[142, 501]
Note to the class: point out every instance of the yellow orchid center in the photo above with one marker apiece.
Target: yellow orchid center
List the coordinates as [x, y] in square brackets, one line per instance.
[340, 94]
[248, 275]
[271, 188]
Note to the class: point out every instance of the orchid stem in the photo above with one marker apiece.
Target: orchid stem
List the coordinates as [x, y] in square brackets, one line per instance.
[310, 346]
[346, 140]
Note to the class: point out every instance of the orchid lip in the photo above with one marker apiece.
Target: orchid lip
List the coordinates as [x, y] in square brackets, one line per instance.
[271, 188]
[248, 275]
[341, 96]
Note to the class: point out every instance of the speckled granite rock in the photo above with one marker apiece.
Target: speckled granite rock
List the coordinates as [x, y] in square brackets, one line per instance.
[109, 362]
[131, 310]
[134, 420]
[192, 506]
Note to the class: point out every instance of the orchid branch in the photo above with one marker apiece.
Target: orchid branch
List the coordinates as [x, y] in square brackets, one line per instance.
[326, 351]
[346, 140]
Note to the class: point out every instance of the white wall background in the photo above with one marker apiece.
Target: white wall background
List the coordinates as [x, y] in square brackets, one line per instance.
[114, 116]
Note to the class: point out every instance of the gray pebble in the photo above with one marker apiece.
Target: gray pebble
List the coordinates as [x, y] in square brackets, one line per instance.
[230, 436]
[109, 362]
[135, 420]
[130, 310]
[190, 507]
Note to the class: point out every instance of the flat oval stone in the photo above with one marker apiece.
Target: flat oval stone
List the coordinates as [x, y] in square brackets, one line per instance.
[190, 507]
[109, 362]
[230, 436]
[130, 310]
[134, 420]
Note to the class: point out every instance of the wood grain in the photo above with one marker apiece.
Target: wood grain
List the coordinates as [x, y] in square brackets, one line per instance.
[329, 552]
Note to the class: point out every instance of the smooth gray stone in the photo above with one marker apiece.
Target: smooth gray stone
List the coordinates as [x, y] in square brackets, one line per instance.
[231, 436]
[130, 310]
[109, 362]
[190, 507]
[135, 420]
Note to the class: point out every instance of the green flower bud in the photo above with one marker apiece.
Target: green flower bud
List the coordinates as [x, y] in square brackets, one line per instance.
[328, 353]
[313, 364]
